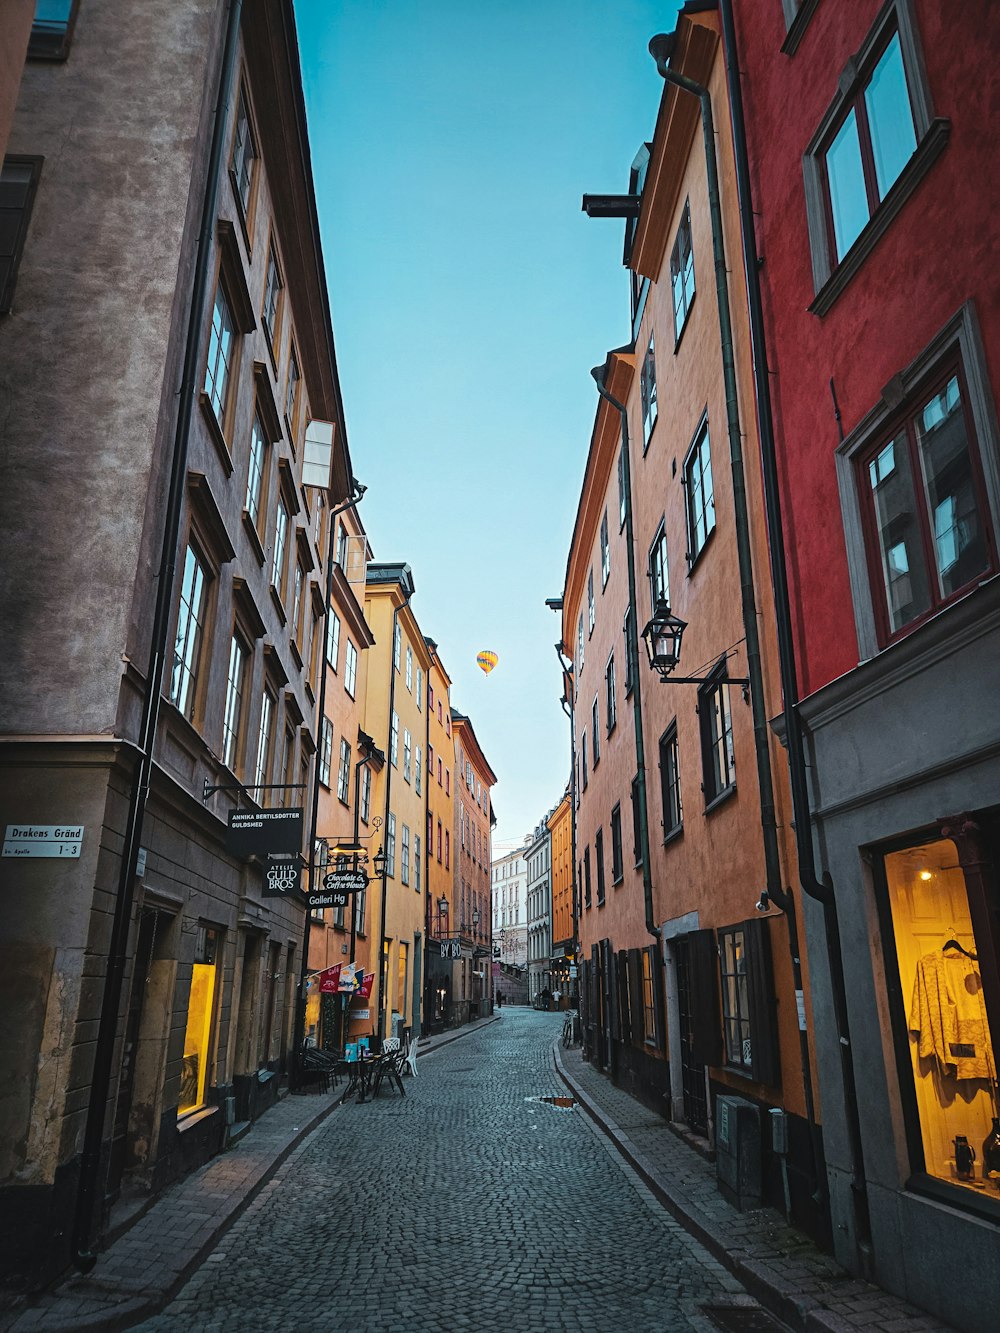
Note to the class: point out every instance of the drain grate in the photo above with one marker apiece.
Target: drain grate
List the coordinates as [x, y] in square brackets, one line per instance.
[743, 1319]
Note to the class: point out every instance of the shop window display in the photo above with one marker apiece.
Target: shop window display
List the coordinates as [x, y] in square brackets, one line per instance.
[951, 1049]
[201, 1011]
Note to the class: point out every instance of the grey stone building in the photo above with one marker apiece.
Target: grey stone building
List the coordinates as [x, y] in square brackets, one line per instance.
[165, 339]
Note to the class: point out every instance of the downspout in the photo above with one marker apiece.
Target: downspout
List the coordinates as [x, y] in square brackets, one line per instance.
[388, 792]
[300, 1009]
[100, 1086]
[820, 889]
[600, 375]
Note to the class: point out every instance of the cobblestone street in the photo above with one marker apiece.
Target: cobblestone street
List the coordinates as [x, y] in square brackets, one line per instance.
[467, 1205]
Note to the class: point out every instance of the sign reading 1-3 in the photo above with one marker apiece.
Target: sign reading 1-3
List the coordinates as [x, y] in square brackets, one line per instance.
[43, 840]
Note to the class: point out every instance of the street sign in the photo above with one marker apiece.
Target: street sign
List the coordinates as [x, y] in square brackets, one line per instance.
[281, 878]
[43, 840]
[257, 832]
[345, 881]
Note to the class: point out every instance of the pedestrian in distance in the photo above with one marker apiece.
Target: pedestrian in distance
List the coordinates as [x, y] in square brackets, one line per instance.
[546, 998]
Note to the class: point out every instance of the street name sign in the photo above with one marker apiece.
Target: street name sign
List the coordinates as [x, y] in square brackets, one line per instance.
[43, 840]
[255, 832]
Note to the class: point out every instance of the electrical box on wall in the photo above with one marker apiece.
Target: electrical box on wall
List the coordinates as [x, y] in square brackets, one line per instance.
[779, 1131]
[738, 1151]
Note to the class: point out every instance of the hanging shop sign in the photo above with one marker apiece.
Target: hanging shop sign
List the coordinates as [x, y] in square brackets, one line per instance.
[451, 948]
[365, 989]
[43, 840]
[282, 879]
[257, 832]
[345, 881]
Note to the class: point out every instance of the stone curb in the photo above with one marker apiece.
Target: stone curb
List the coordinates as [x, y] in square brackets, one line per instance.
[127, 1313]
[800, 1312]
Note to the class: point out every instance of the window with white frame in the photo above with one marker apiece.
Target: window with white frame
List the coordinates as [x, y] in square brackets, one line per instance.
[420, 690]
[390, 844]
[221, 356]
[670, 783]
[417, 770]
[394, 740]
[333, 638]
[344, 772]
[233, 714]
[397, 640]
[191, 617]
[409, 668]
[407, 755]
[244, 159]
[265, 740]
[605, 551]
[272, 296]
[404, 857]
[255, 471]
[699, 494]
[350, 668]
[579, 646]
[280, 546]
[366, 793]
[716, 723]
[417, 864]
[591, 613]
[659, 585]
[682, 272]
[647, 393]
[326, 752]
[621, 488]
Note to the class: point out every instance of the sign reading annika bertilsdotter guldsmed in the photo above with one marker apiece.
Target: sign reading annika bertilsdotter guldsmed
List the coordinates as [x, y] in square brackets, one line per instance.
[255, 831]
[43, 840]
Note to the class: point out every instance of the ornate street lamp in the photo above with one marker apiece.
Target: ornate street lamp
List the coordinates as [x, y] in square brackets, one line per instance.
[662, 637]
[378, 863]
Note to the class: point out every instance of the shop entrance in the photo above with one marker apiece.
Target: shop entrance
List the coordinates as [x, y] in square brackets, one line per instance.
[692, 1070]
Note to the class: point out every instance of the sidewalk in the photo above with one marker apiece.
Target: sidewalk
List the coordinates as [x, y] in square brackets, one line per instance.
[777, 1264]
[141, 1271]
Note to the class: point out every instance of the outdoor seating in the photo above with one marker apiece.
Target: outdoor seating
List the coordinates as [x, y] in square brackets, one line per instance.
[389, 1067]
[410, 1060]
[319, 1067]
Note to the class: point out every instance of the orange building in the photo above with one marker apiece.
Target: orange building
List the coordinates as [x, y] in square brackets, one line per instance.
[560, 825]
[471, 980]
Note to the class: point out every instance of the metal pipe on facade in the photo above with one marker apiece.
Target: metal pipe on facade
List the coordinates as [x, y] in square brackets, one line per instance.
[820, 889]
[100, 1085]
[600, 375]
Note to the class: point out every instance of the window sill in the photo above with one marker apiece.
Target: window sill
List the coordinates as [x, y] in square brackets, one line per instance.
[191, 1118]
[290, 433]
[296, 655]
[931, 146]
[279, 604]
[251, 530]
[798, 26]
[244, 222]
[721, 799]
[692, 560]
[617, 883]
[601, 902]
[216, 432]
[956, 1196]
[673, 834]
[687, 318]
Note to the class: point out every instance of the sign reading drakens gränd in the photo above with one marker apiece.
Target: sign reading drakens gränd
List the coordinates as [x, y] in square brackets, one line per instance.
[257, 831]
[43, 840]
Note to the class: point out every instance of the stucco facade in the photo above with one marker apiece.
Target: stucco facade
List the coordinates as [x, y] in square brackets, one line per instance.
[474, 783]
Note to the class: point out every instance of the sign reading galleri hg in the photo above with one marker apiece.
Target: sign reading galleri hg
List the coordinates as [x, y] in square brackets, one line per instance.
[253, 832]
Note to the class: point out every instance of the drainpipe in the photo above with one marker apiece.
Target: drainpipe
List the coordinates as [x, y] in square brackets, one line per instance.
[300, 1009]
[388, 791]
[817, 888]
[84, 1258]
[600, 374]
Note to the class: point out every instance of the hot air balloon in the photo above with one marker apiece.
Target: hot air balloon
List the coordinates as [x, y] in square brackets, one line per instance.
[487, 660]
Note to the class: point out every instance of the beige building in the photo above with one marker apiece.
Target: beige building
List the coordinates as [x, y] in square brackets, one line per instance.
[161, 643]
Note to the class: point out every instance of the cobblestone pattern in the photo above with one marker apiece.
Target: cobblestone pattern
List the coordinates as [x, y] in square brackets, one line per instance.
[778, 1264]
[465, 1205]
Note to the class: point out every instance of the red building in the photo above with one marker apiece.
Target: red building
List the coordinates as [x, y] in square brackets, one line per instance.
[872, 179]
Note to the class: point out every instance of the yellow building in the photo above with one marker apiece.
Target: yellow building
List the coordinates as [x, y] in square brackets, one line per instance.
[440, 905]
[560, 827]
[395, 717]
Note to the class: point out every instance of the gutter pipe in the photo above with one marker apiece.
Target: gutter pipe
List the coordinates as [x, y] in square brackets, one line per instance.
[661, 49]
[819, 889]
[84, 1258]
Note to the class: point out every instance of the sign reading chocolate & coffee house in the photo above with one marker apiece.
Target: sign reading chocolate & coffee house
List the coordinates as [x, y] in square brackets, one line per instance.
[257, 832]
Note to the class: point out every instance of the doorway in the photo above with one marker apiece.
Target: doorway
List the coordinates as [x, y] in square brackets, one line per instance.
[693, 1091]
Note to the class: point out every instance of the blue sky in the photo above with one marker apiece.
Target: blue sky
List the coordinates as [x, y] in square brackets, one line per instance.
[451, 143]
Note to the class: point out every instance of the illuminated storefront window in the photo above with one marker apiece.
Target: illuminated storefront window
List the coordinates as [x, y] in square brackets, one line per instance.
[951, 1052]
[312, 1008]
[201, 1011]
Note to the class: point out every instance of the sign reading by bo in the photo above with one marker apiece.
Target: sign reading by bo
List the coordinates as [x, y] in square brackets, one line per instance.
[257, 832]
[281, 878]
[42, 840]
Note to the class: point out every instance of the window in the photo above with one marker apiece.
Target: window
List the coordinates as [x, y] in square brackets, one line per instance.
[586, 878]
[439, 772]
[439, 841]
[272, 298]
[232, 716]
[409, 668]
[191, 615]
[350, 668]
[280, 546]
[417, 770]
[265, 739]
[647, 394]
[447, 782]
[390, 844]
[255, 471]
[599, 859]
[872, 148]
[682, 273]
[584, 775]
[579, 646]
[609, 680]
[397, 639]
[366, 793]
[629, 653]
[605, 551]
[716, 722]
[198, 1031]
[341, 556]
[924, 509]
[636, 822]
[648, 994]
[447, 849]
[404, 873]
[735, 1000]
[417, 867]
[333, 638]
[344, 772]
[622, 494]
[595, 732]
[394, 740]
[407, 755]
[326, 752]
[292, 393]
[659, 586]
[591, 615]
[243, 165]
[298, 601]
[617, 868]
[221, 357]
[18, 183]
[670, 783]
[700, 497]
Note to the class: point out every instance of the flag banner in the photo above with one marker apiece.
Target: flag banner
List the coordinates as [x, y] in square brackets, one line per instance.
[349, 978]
[329, 979]
[365, 989]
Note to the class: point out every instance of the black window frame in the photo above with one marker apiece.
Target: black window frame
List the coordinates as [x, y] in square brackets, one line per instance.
[694, 454]
[617, 859]
[680, 256]
[595, 728]
[657, 563]
[672, 822]
[599, 863]
[716, 790]
[8, 284]
[647, 393]
[587, 896]
[636, 823]
[611, 700]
